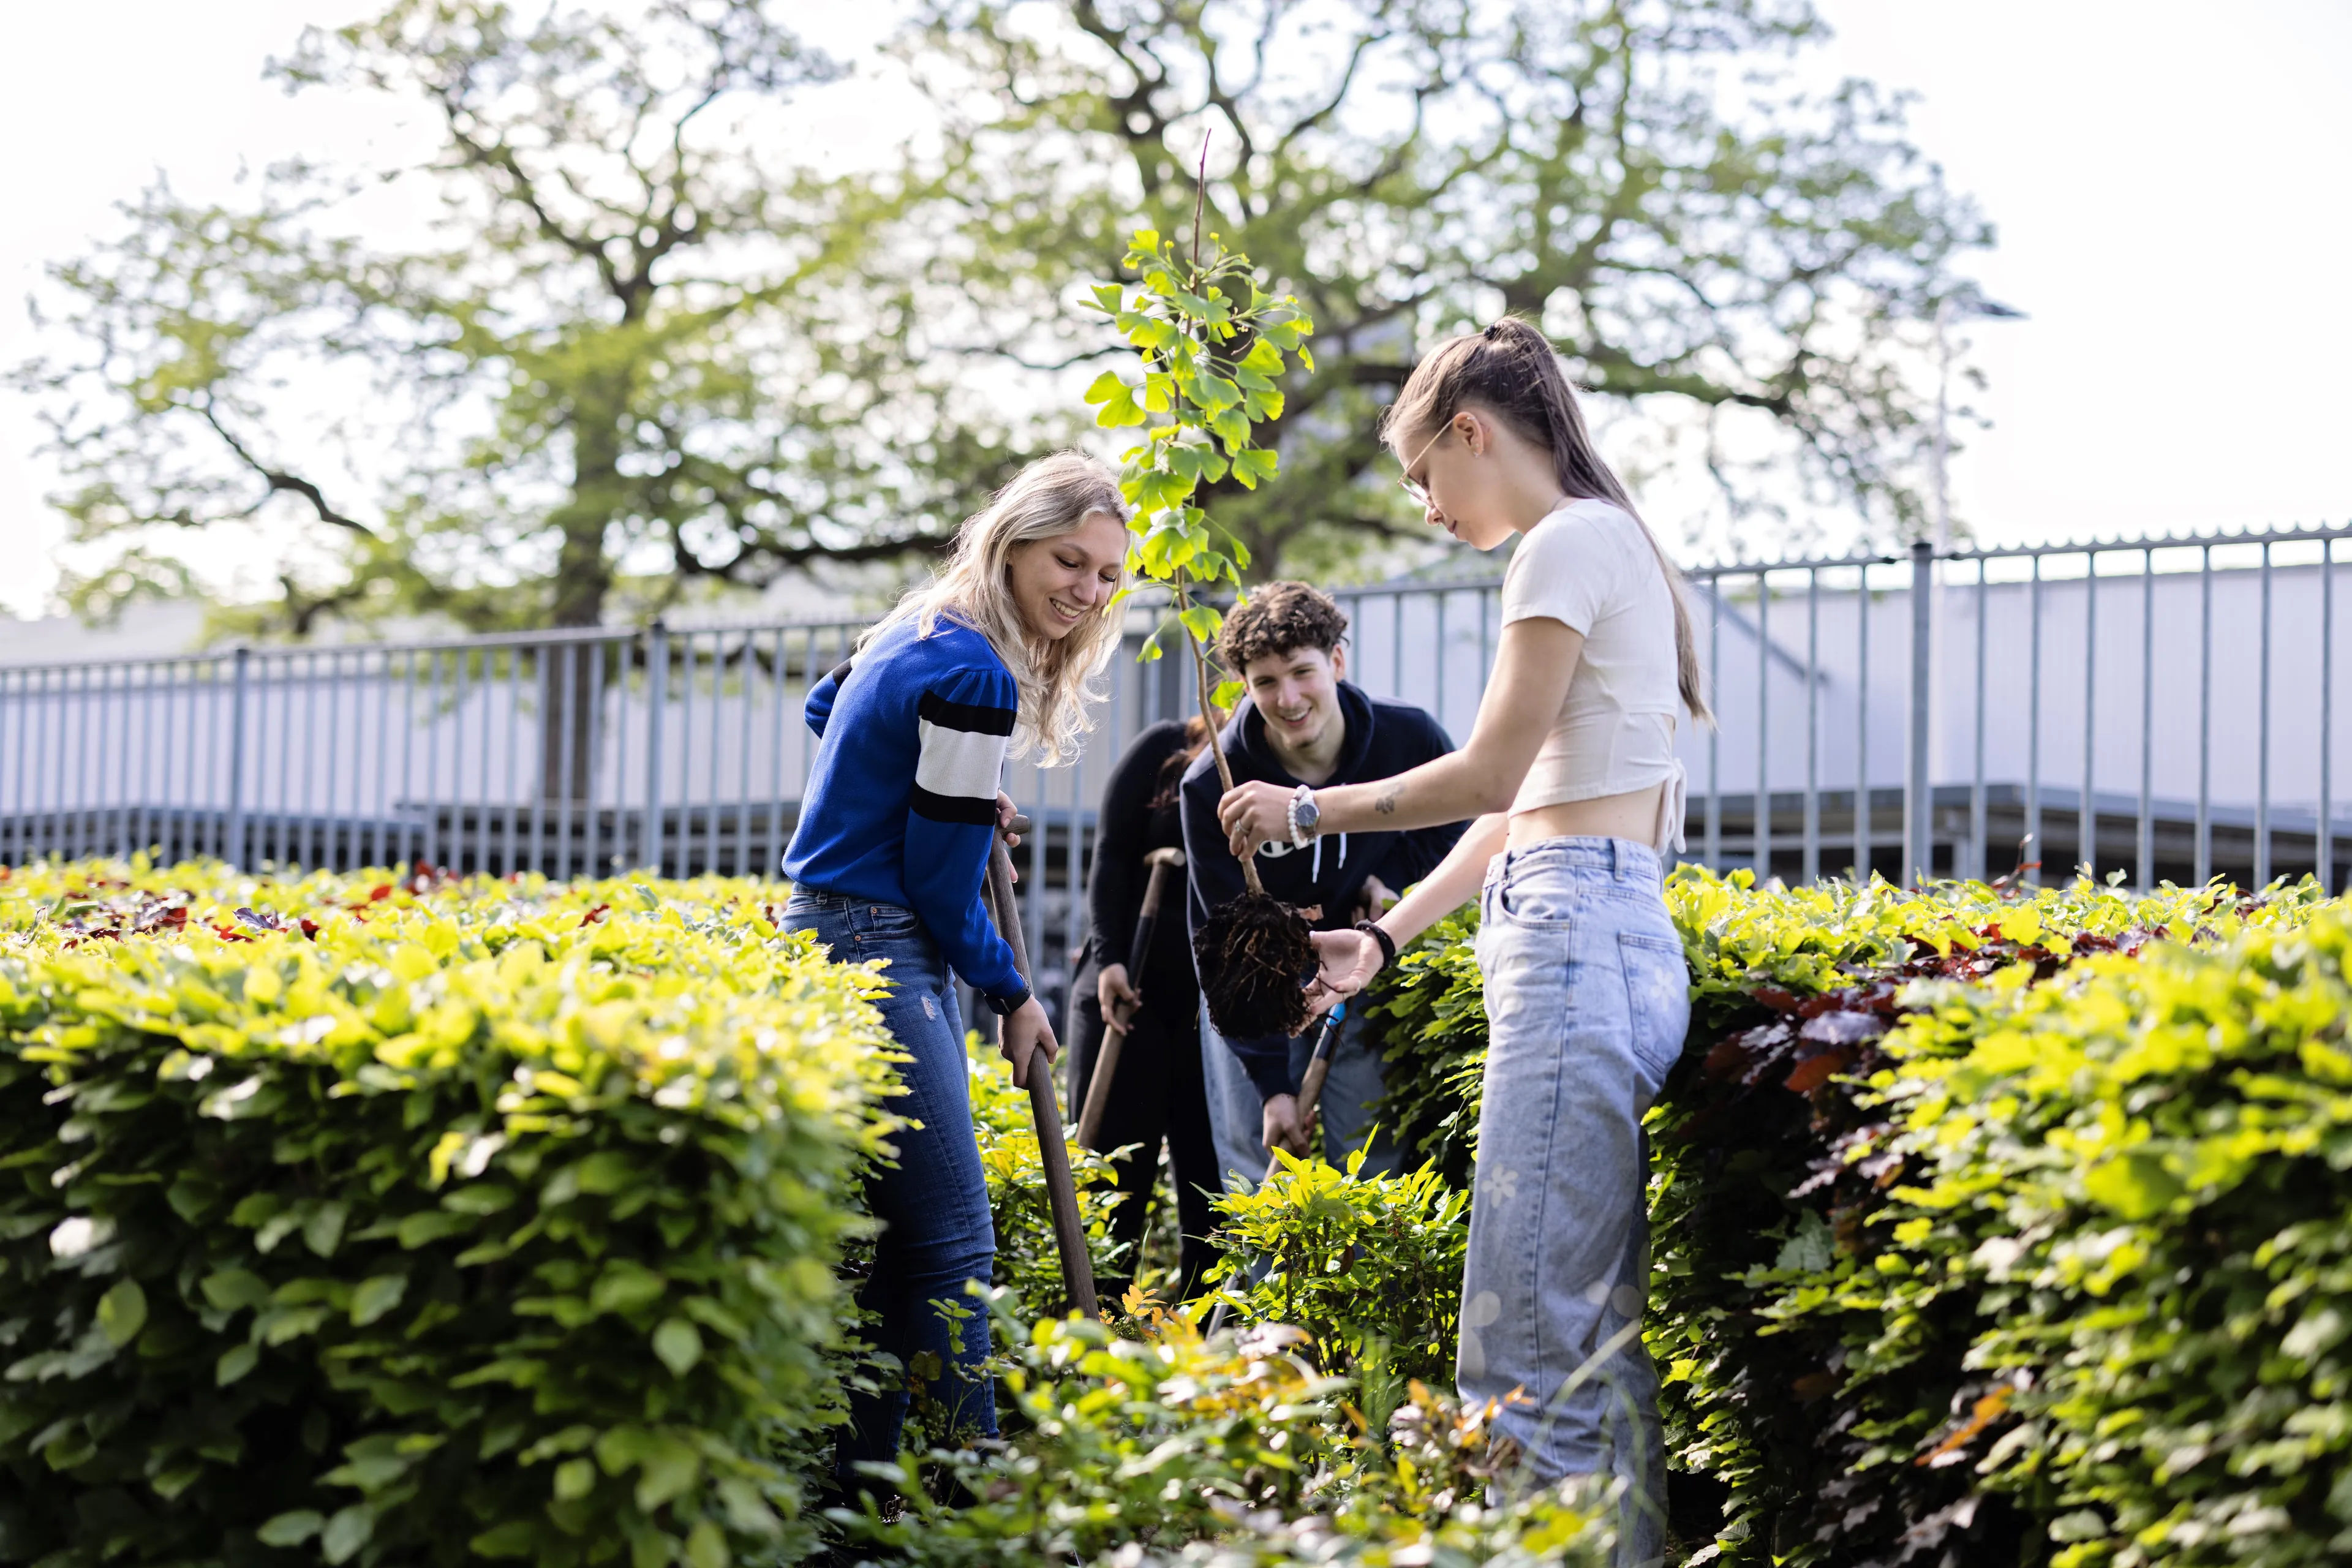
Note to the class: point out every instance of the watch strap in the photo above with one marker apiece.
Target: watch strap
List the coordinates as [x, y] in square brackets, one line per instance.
[1005, 1006]
[1302, 802]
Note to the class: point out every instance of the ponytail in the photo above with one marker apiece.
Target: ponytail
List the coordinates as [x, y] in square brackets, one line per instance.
[1512, 370]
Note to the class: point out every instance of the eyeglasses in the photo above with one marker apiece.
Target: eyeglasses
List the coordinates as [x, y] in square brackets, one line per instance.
[1414, 487]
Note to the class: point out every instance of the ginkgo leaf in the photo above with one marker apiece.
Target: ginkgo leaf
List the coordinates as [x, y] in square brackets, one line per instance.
[1214, 391]
[1251, 464]
[1118, 400]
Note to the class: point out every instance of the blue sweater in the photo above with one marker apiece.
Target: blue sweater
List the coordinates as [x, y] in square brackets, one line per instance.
[901, 804]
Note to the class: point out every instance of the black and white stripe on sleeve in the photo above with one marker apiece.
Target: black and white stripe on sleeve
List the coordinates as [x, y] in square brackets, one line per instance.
[962, 758]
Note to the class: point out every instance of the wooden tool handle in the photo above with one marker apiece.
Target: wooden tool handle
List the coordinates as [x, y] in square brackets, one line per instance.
[1310, 1094]
[1310, 1082]
[1311, 1089]
[1155, 891]
[1054, 1150]
[1090, 1115]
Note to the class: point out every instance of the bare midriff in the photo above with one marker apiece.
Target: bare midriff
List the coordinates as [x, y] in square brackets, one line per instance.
[1634, 814]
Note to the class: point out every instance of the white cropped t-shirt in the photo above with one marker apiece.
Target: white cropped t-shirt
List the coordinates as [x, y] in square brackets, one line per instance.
[1591, 567]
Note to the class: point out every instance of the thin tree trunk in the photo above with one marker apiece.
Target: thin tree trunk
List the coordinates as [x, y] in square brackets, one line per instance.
[582, 579]
[1208, 716]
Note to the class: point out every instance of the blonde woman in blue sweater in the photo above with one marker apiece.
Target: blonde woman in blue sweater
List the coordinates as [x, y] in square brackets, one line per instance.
[993, 656]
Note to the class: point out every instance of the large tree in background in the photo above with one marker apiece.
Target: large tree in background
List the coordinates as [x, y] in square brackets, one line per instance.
[621, 347]
[639, 349]
[1640, 177]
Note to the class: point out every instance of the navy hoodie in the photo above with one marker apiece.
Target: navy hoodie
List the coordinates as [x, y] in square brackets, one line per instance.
[1384, 739]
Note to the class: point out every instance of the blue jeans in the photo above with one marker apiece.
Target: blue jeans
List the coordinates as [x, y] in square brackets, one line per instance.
[1588, 1000]
[1350, 1094]
[932, 1200]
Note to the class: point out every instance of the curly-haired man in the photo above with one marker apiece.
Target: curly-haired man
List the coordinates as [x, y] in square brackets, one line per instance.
[1304, 726]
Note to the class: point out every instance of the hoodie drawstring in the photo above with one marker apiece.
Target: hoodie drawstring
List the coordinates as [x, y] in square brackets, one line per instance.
[1315, 866]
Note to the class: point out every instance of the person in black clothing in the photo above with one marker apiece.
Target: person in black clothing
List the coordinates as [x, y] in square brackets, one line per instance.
[1158, 1093]
[1304, 725]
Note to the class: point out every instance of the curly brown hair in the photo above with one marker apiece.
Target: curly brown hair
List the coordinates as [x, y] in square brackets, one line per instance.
[1279, 618]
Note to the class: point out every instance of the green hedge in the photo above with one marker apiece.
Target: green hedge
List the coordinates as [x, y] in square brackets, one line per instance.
[499, 1221]
[1992, 1229]
[407, 1218]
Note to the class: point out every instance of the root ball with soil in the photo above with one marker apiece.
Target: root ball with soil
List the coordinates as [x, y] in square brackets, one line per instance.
[1255, 958]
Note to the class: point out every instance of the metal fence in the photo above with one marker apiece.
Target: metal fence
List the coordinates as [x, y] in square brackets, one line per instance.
[2160, 707]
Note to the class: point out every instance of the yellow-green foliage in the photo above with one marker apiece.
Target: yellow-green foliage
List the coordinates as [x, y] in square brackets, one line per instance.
[1301, 1246]
[465, 1225]
[2024, 1285]
[1027, 1257]
[379, 1220]
[1813, 937]
[2142, 1171]
[1229, 1451]
[2053, 1273]
[1431, 1008]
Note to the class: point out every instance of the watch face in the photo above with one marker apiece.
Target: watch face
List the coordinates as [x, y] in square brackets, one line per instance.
[1309, 813]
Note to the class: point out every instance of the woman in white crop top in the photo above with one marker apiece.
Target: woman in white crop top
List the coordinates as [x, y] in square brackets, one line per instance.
[1570, 772]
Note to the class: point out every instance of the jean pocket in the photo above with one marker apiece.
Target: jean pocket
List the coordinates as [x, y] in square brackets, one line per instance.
[887, 923]
[1534, 903]
[1658, 999]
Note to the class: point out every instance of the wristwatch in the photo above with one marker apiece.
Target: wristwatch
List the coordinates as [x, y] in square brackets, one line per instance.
[1005, 1006]
[1304, 815]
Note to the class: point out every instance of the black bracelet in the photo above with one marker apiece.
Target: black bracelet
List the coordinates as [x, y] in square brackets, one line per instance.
[1388, 943]
[1005, 1006]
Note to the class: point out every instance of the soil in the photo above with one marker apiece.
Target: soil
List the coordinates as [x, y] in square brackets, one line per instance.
[1255, 960]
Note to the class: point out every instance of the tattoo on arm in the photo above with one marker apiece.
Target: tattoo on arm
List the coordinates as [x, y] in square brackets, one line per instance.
[1386, 802]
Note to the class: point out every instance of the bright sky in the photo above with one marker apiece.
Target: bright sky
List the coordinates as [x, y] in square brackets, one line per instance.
[2167, 180]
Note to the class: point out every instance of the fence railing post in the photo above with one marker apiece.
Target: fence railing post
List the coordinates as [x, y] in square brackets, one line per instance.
[1918, 791]
[650, 853]
[235, 845]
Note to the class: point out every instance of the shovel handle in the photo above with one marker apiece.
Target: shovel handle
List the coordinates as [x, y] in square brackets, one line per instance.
[1054, 1151]
[1164, 863]
[1310, 1082]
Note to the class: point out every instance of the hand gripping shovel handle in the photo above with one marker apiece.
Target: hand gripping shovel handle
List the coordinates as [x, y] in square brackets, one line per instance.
[1310, 1082]
[1090, 1116]
[1061, 1191]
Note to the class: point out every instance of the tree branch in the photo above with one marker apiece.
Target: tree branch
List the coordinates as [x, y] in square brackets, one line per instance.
[279, 479]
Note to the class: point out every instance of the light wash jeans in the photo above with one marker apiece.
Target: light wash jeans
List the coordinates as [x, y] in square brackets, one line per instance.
[1588, 1000]
[1350, 1094]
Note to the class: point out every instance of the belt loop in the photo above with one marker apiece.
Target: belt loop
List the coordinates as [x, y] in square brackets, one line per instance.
[1617, 866]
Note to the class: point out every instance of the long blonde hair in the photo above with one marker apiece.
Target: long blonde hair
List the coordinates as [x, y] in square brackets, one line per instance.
[1512, 370]
[1047, 499]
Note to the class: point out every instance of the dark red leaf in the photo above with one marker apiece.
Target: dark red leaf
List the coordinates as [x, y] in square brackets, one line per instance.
[1814, 1385]
[1814, 1071]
